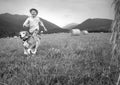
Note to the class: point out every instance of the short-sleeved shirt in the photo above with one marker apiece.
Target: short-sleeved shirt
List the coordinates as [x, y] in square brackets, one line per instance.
[32, 23]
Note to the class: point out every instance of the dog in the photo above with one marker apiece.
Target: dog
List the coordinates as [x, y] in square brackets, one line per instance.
[31, 42]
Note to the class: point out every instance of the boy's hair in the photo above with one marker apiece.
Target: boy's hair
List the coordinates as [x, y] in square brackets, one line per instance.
[34, 10]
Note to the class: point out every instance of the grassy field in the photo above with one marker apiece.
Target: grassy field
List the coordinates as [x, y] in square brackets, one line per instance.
[61, 59]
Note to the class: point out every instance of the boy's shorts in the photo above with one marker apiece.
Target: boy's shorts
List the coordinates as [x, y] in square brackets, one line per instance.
[34, 32]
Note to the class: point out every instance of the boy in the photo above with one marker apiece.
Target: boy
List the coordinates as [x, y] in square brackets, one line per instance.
[34, 22]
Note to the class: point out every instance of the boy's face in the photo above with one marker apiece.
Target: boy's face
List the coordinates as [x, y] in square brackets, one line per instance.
[33, 13]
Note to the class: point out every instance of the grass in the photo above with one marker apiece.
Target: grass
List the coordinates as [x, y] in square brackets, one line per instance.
[61, 59]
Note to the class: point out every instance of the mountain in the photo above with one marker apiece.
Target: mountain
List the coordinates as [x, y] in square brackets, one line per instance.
[11, 25]
[70, 26]
[95, 25]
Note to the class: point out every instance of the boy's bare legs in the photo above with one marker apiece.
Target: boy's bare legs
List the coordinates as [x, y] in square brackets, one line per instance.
[34, 51]
[36, 37]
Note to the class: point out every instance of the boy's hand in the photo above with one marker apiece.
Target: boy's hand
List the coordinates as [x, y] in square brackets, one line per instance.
[41, 32]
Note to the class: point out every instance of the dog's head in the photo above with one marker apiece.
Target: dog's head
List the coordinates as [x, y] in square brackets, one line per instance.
[24, 34]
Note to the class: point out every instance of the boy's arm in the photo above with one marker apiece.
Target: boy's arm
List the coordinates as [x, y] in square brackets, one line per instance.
[41, 23]
[26, 23]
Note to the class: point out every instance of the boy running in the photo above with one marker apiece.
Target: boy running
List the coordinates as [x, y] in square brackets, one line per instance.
[34, 22]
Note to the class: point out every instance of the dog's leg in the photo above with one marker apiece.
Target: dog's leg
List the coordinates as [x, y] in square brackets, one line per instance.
[25, 51]
[34, 50]
[25, 45]
[30, 49]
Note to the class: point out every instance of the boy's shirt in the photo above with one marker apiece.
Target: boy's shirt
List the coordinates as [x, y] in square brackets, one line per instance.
[32, 23]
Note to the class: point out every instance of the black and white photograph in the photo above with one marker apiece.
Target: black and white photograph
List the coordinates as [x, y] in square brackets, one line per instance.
[59, 42]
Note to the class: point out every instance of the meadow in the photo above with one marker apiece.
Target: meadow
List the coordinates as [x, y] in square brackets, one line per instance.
[61, 59]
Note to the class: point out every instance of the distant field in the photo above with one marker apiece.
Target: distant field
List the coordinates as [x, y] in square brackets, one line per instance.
[62, 40]
[61, 59]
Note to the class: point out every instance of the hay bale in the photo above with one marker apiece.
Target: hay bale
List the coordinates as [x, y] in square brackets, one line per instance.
[15, 37]
[85, 32]
[75, 32]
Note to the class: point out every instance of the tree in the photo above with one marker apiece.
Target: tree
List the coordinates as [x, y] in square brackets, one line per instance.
[115, 38]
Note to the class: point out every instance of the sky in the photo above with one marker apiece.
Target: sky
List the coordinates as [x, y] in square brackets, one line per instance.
[61, 12]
